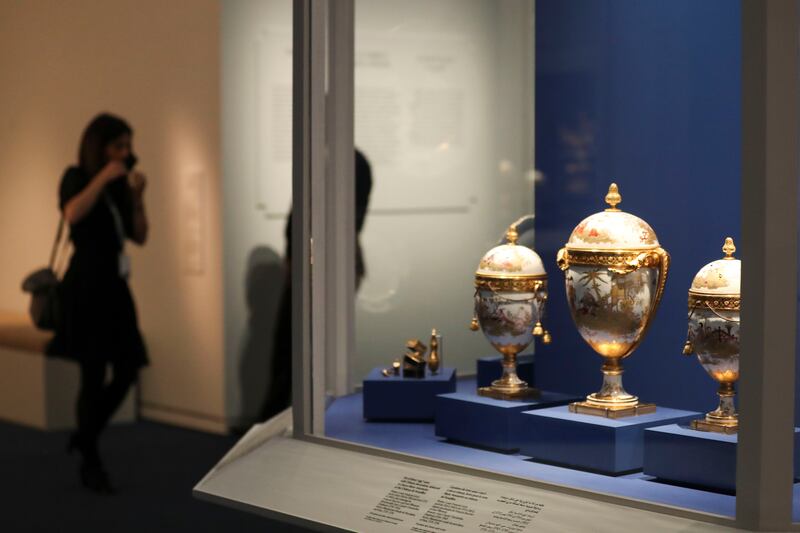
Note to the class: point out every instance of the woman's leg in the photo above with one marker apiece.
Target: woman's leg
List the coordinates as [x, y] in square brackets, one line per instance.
[124, 375]
[88, 408]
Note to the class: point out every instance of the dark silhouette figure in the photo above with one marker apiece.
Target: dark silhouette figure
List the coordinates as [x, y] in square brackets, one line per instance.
[102, 201]
[263, 285]
[279, 396]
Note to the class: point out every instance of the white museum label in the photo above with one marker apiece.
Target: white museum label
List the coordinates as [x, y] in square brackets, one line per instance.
[423, 506]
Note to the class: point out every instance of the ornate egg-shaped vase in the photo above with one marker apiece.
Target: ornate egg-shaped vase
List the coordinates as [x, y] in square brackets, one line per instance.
[615, 272]
[510, 294]
[714, 305]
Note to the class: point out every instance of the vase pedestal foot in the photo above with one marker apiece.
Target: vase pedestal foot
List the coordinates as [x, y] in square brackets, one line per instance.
[587, 408]
[526, 393]
[704, 425]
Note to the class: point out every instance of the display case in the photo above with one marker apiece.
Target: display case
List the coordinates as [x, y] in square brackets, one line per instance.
[553, 174]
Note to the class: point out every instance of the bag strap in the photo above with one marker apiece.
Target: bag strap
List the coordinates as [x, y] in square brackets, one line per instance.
[119, 227]
[56, 243]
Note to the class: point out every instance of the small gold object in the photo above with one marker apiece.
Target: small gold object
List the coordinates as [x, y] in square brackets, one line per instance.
[386, 372]
[612, 261]
[688, 349]
[434, 358]
[714, 305]
[510, 296]
[416, 346]
[546, 338]
[396, 367]
[413, 365]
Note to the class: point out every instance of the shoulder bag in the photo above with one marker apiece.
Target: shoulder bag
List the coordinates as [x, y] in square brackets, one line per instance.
[43, 287]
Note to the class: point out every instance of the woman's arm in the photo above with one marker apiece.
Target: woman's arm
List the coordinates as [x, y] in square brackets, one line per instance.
[79, 205]
[140, 224]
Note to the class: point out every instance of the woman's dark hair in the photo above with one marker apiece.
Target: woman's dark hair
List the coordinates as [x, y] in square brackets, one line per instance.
[100, 132]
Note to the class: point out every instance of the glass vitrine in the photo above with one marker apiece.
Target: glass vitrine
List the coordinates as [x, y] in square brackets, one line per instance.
[506, 204]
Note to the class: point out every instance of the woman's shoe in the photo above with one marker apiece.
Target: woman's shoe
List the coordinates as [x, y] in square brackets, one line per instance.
[95, 478]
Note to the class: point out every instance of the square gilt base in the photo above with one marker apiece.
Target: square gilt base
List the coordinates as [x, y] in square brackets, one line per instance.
[528, 393]
[703, 425]
[586, 408]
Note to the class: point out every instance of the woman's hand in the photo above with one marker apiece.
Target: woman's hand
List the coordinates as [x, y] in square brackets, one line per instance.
[113, 170]
[137, 182]
[83, 202]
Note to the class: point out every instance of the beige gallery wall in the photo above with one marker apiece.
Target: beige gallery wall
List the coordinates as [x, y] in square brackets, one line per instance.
[156, 63]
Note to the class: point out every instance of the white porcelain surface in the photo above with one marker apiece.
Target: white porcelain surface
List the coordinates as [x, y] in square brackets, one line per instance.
[612, 230]
[719, 277]
[511, 260]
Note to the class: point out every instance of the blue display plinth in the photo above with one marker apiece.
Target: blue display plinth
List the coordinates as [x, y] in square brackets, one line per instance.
[701, 458]
[486, 422]
[398, 398]
[490, 369]
[596, 443]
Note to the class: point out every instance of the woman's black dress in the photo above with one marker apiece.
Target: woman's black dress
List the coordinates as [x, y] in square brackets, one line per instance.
[98, 316]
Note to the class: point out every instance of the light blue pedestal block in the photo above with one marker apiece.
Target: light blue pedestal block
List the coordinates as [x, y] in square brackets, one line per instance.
[698, 458]
[490, 369]
[397, 398]
[594, 443]
[485, 422]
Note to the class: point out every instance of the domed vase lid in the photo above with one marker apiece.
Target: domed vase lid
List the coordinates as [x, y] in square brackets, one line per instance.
[722, 277]
[511, 260]
[612, 229]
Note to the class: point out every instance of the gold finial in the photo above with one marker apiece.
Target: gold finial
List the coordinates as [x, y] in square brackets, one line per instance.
[728, 248]
[613, 197]
[511, 234]
[538, 330]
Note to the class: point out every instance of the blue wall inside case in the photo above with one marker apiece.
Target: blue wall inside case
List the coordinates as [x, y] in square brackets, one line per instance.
[646, 94]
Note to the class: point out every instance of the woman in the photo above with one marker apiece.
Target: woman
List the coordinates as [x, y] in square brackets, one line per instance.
[102, 201]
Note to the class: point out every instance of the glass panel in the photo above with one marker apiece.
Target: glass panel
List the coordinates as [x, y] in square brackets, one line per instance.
[256, 135]
[472, 114]
[442, 115]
